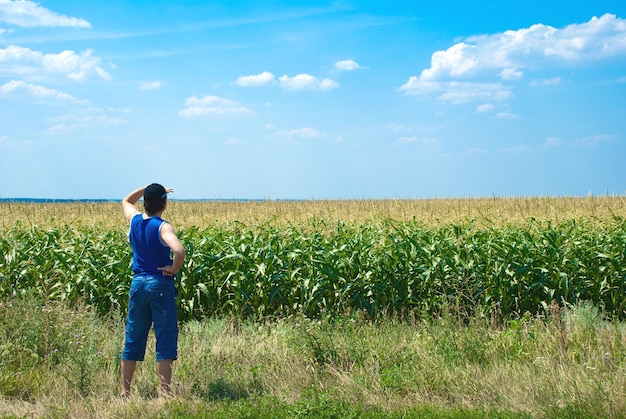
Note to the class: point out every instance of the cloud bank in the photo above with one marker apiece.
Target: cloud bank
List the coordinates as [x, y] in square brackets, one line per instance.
[509, 54]
[24, 61]
[26, 14]
[299, 82]
[36, 91]
[212, 105]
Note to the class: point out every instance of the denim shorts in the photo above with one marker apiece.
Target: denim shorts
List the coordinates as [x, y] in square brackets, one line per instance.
[152, 303]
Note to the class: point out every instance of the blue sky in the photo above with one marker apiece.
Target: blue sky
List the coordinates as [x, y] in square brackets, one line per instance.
[312, 99]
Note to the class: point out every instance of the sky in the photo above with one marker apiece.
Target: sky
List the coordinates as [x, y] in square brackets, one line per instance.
[312, 99]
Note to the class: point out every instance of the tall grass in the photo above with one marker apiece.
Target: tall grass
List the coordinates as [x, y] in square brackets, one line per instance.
[569, 363]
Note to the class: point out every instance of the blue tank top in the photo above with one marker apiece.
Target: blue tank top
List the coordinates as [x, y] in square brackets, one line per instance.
[149, 252]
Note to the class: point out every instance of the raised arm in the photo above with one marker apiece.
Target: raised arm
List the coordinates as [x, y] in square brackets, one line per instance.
[128, 203]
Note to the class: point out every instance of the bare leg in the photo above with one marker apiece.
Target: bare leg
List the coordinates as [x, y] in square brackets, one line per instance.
[164, 370]
[128, 369]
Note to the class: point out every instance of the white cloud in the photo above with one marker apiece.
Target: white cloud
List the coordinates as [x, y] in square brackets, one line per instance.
[551, 142]
[474, 151]
[212, 105]
[262, 79]
[506, 54]
[36, 91]
[398, 127]
[93, 113]
[455, 91]
[511, 74]
[305, 132]
[61, 129]
[234, 141]
[298, 82]
[151, 85]
[328, 84]
[347, 65]
[457, 60]
[507, 115]
[426, 142]
[594, 140]
[485, 107]
[26, 13]
[599, 38]
[406, 140]
[547, 82]
[431, 127]
[24, 61]
[306, 82]
[85, 120]
[88, 123]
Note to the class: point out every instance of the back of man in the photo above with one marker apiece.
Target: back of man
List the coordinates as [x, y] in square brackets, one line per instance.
[152, 297]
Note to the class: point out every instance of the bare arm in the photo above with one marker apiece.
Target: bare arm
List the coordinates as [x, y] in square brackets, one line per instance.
[128, 203]
[168, 235]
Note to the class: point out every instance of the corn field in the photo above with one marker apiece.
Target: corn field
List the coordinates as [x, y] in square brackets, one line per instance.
[325, 266]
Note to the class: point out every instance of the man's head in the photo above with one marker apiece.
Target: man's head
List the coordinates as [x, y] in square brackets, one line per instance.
[154, 198]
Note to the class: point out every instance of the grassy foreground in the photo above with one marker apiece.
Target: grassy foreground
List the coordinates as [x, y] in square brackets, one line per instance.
[59, 362]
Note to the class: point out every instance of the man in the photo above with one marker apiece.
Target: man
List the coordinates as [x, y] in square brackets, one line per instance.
[152, 301]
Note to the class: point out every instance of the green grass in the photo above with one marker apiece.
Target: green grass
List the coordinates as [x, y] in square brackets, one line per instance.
[63, 362]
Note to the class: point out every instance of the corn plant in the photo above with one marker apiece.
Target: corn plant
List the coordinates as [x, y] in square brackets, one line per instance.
[325, 266]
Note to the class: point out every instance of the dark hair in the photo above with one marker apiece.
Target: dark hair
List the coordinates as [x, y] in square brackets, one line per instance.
[154, 198]
[152, 206]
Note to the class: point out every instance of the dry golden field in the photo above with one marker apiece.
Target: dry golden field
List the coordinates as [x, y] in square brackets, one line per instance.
[432, 212]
